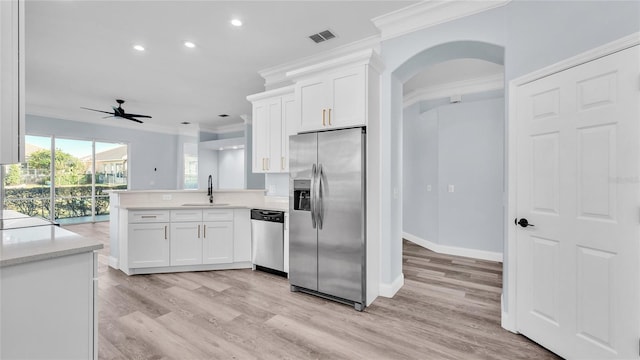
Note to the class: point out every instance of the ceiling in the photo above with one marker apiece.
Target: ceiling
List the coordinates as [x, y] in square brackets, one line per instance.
[80, 54]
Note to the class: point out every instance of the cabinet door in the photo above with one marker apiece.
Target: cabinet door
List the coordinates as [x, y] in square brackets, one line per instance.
[260, 136]
[275, 136]
[148, 245]
[347, 92]
[12, 80]
[217, 247]
[312, 99]
[289, 111]
[186, 243]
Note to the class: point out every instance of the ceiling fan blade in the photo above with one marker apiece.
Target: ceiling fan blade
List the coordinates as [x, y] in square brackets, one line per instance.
[106, 117]
[106, 112]
[142, 116]
[128, 117]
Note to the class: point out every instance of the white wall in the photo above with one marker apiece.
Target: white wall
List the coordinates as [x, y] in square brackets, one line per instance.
[533, 33]
[152, 156]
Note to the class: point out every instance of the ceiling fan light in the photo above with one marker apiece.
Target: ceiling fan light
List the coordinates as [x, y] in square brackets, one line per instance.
[138, 47]
[236, 22]
[189, 44]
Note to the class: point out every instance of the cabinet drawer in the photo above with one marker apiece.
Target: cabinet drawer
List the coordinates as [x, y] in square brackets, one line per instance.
[217, 215]
[186, 215]
[148, 216]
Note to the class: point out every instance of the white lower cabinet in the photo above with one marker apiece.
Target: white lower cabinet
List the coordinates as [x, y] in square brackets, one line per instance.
[53, 312]
[148, 245]
[217, 243]
[186, 243]
[186, 240]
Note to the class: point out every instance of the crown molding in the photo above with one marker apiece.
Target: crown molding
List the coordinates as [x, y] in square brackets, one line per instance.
[246, 118]
[363, 57]
[223, 129]
[429, 13]
[464, 87]
[277, 75]
[271, 93]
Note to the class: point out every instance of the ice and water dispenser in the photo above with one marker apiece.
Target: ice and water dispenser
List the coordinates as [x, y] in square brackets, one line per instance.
[302, 195]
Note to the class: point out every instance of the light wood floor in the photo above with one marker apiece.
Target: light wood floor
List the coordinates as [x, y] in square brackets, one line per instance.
[449, 308]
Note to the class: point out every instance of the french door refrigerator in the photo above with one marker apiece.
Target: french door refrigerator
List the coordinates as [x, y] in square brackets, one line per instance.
[327, 239]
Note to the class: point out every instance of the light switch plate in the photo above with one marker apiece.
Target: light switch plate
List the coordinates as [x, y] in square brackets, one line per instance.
[428, 187]
[451, 188]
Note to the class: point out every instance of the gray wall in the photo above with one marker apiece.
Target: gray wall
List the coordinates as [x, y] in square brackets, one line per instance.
[147, 150]
[461, 145]
[277, 184]
[252, 181]
[534, 34]
[231, 169]
[420, 170]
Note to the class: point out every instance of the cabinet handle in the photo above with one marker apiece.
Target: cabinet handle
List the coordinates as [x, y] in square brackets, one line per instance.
[204, 231]
[268, 163]
[323, 114]
[329, 117]
[148, 216]
[263, 167]
[198, 231]
[165, 232]
[282, 163]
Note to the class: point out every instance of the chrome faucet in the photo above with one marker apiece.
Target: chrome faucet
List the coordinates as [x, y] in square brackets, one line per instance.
[210, 189]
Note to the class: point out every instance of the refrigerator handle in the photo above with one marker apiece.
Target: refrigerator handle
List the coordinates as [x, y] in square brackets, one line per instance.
[313, 195]
[320, 197]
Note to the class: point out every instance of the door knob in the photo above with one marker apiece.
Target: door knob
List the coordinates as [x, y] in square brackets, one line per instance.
[522, 222]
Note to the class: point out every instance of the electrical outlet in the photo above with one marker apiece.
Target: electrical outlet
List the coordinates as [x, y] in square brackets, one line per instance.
[428, 187]
[451, 188]
[166, 197]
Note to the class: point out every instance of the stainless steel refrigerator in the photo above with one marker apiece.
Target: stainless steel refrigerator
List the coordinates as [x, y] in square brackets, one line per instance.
[327, 238]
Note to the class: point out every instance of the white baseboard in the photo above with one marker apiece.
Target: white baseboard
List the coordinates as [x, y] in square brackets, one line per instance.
[454, 250]
[389, 290]
[113, 262]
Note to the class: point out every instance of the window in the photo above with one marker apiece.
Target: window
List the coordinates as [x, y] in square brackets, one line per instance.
[82, 171]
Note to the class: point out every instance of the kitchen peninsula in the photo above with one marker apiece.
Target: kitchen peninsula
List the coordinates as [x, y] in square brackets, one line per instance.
[48, 292]
[157, 231]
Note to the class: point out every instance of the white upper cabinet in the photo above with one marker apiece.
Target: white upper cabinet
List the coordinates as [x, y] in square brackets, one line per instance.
[335, 100]
[338, 93]
[289, 118]
[12, 80]
[271, 113]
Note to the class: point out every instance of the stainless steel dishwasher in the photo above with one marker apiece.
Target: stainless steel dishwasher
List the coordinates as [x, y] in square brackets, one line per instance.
[267, 238]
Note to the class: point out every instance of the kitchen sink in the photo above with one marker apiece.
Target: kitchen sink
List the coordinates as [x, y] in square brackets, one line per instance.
[205, 204]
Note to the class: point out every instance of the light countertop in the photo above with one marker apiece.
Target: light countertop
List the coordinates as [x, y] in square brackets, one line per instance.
[267, 205]
[41, 242]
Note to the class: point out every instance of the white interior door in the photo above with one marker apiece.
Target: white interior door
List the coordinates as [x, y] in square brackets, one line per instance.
[578, 141]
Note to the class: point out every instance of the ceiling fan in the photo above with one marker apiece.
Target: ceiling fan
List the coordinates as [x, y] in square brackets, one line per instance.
[119, 112]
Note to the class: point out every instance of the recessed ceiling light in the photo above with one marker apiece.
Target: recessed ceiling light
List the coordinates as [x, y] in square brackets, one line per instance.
[235, 147]
[236, 22]
[189, 44]
[138, 47]
[221, 148]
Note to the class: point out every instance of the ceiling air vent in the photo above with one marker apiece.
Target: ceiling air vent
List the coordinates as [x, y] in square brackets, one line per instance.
[322, 36]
